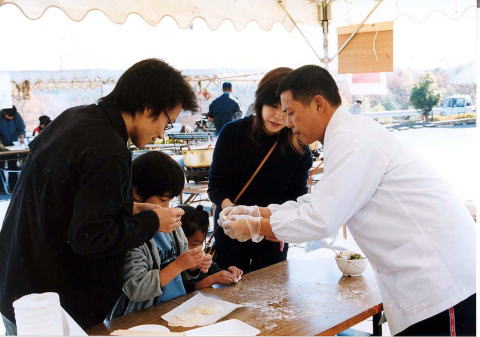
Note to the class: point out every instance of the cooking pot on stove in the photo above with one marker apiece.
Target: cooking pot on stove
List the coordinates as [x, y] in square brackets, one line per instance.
[197, 157]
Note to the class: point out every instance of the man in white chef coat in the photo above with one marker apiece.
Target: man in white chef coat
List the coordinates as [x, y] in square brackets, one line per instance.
[418, 237]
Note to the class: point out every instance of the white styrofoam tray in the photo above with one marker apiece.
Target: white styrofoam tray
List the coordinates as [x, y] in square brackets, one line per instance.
[227, 307]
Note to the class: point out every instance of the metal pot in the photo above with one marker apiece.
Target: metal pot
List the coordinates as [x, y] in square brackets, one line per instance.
[197, 157]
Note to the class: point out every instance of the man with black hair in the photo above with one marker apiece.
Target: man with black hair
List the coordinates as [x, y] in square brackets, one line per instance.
[418, 237]
[12, 127]
[223, 109]
[72, 218]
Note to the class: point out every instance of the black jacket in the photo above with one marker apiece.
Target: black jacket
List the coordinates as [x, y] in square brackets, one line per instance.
[236, 156]
[282, 178]
[223, 109]
[70, 222]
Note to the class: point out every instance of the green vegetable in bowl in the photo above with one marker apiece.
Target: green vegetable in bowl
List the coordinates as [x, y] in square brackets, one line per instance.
[355, 257]
[349, 255]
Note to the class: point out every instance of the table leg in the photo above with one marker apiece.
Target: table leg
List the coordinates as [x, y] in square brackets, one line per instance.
[190, 198]
[377, 327]
[4, 177]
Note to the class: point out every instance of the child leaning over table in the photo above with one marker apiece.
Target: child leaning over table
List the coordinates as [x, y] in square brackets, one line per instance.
[195, 226]
[153, 271]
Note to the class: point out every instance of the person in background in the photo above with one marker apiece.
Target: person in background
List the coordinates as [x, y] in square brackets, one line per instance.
[356, 108]
[200, 126]
[153, 272]
[418, 237]
[43, 121]
[12, 127]
[250, 110]
[195, 226]
[223, 109]
[240, 148]
[186, 129]
[72, 218]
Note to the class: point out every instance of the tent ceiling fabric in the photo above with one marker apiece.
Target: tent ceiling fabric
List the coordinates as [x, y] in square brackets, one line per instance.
[94, 78]
[213, 12]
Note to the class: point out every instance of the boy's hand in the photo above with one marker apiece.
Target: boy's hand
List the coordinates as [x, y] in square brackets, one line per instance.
[190, 259]
[169, 218]
[206, 263]
[223, 277]
[235, 271]
[143, 206]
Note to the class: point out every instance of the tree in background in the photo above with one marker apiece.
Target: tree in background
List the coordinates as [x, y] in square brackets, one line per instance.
[425, 95]
[460, 80]
[400, 84]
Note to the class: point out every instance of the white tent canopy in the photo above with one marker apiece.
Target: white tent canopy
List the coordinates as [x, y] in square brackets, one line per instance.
[240, 12]
[422, 30]
[288, 13]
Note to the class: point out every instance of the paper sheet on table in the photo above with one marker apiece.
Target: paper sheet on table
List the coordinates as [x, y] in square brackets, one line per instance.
[231, 327]
[199, 299]
[17, 147]
[73, 328]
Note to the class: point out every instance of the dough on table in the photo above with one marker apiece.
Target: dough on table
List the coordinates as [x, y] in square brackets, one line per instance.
[195, 315]
[187, 319]
[207, 308]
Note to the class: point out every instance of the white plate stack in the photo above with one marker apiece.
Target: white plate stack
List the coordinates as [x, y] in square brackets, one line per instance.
[39, 314]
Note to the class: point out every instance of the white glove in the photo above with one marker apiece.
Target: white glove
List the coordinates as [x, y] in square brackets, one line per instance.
[238, 210]
[225, 212]
[243, 227]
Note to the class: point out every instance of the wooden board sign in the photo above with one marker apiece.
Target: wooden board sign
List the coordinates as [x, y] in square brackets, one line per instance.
[370, 50]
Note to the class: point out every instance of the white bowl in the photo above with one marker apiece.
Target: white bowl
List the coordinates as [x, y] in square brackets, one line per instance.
[351, 267]
[150, 327]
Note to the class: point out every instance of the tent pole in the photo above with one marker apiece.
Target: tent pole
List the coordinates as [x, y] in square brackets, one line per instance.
[357, 29]
[280, 3]
[325, 14]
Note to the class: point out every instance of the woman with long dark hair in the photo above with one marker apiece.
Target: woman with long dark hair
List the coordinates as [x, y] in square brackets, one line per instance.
[241, 148]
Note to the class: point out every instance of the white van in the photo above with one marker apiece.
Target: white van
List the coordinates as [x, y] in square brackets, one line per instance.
[456, 105]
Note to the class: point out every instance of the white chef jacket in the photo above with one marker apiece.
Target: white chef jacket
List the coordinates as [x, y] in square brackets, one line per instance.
[418, 237]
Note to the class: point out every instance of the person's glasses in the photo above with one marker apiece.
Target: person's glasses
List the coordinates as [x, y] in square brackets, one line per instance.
[169, 124]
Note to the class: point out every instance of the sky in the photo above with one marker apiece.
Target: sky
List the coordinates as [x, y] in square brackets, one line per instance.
[443, 38]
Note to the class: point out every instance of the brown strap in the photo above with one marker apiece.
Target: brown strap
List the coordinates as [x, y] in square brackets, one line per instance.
[256, 171]
[209, 250]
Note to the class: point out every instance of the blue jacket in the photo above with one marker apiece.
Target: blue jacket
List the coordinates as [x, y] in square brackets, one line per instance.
[223, 109]
[141, 277]
[10, 129]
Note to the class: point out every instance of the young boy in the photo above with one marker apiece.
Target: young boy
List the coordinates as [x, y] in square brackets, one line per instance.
[153, 272]
[195, 226]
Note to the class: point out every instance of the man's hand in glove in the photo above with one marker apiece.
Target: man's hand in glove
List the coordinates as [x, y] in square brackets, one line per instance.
[242, 227]
[238, 210]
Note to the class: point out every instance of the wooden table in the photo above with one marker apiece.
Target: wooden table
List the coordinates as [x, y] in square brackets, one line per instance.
[299, 297]
[13, 153]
